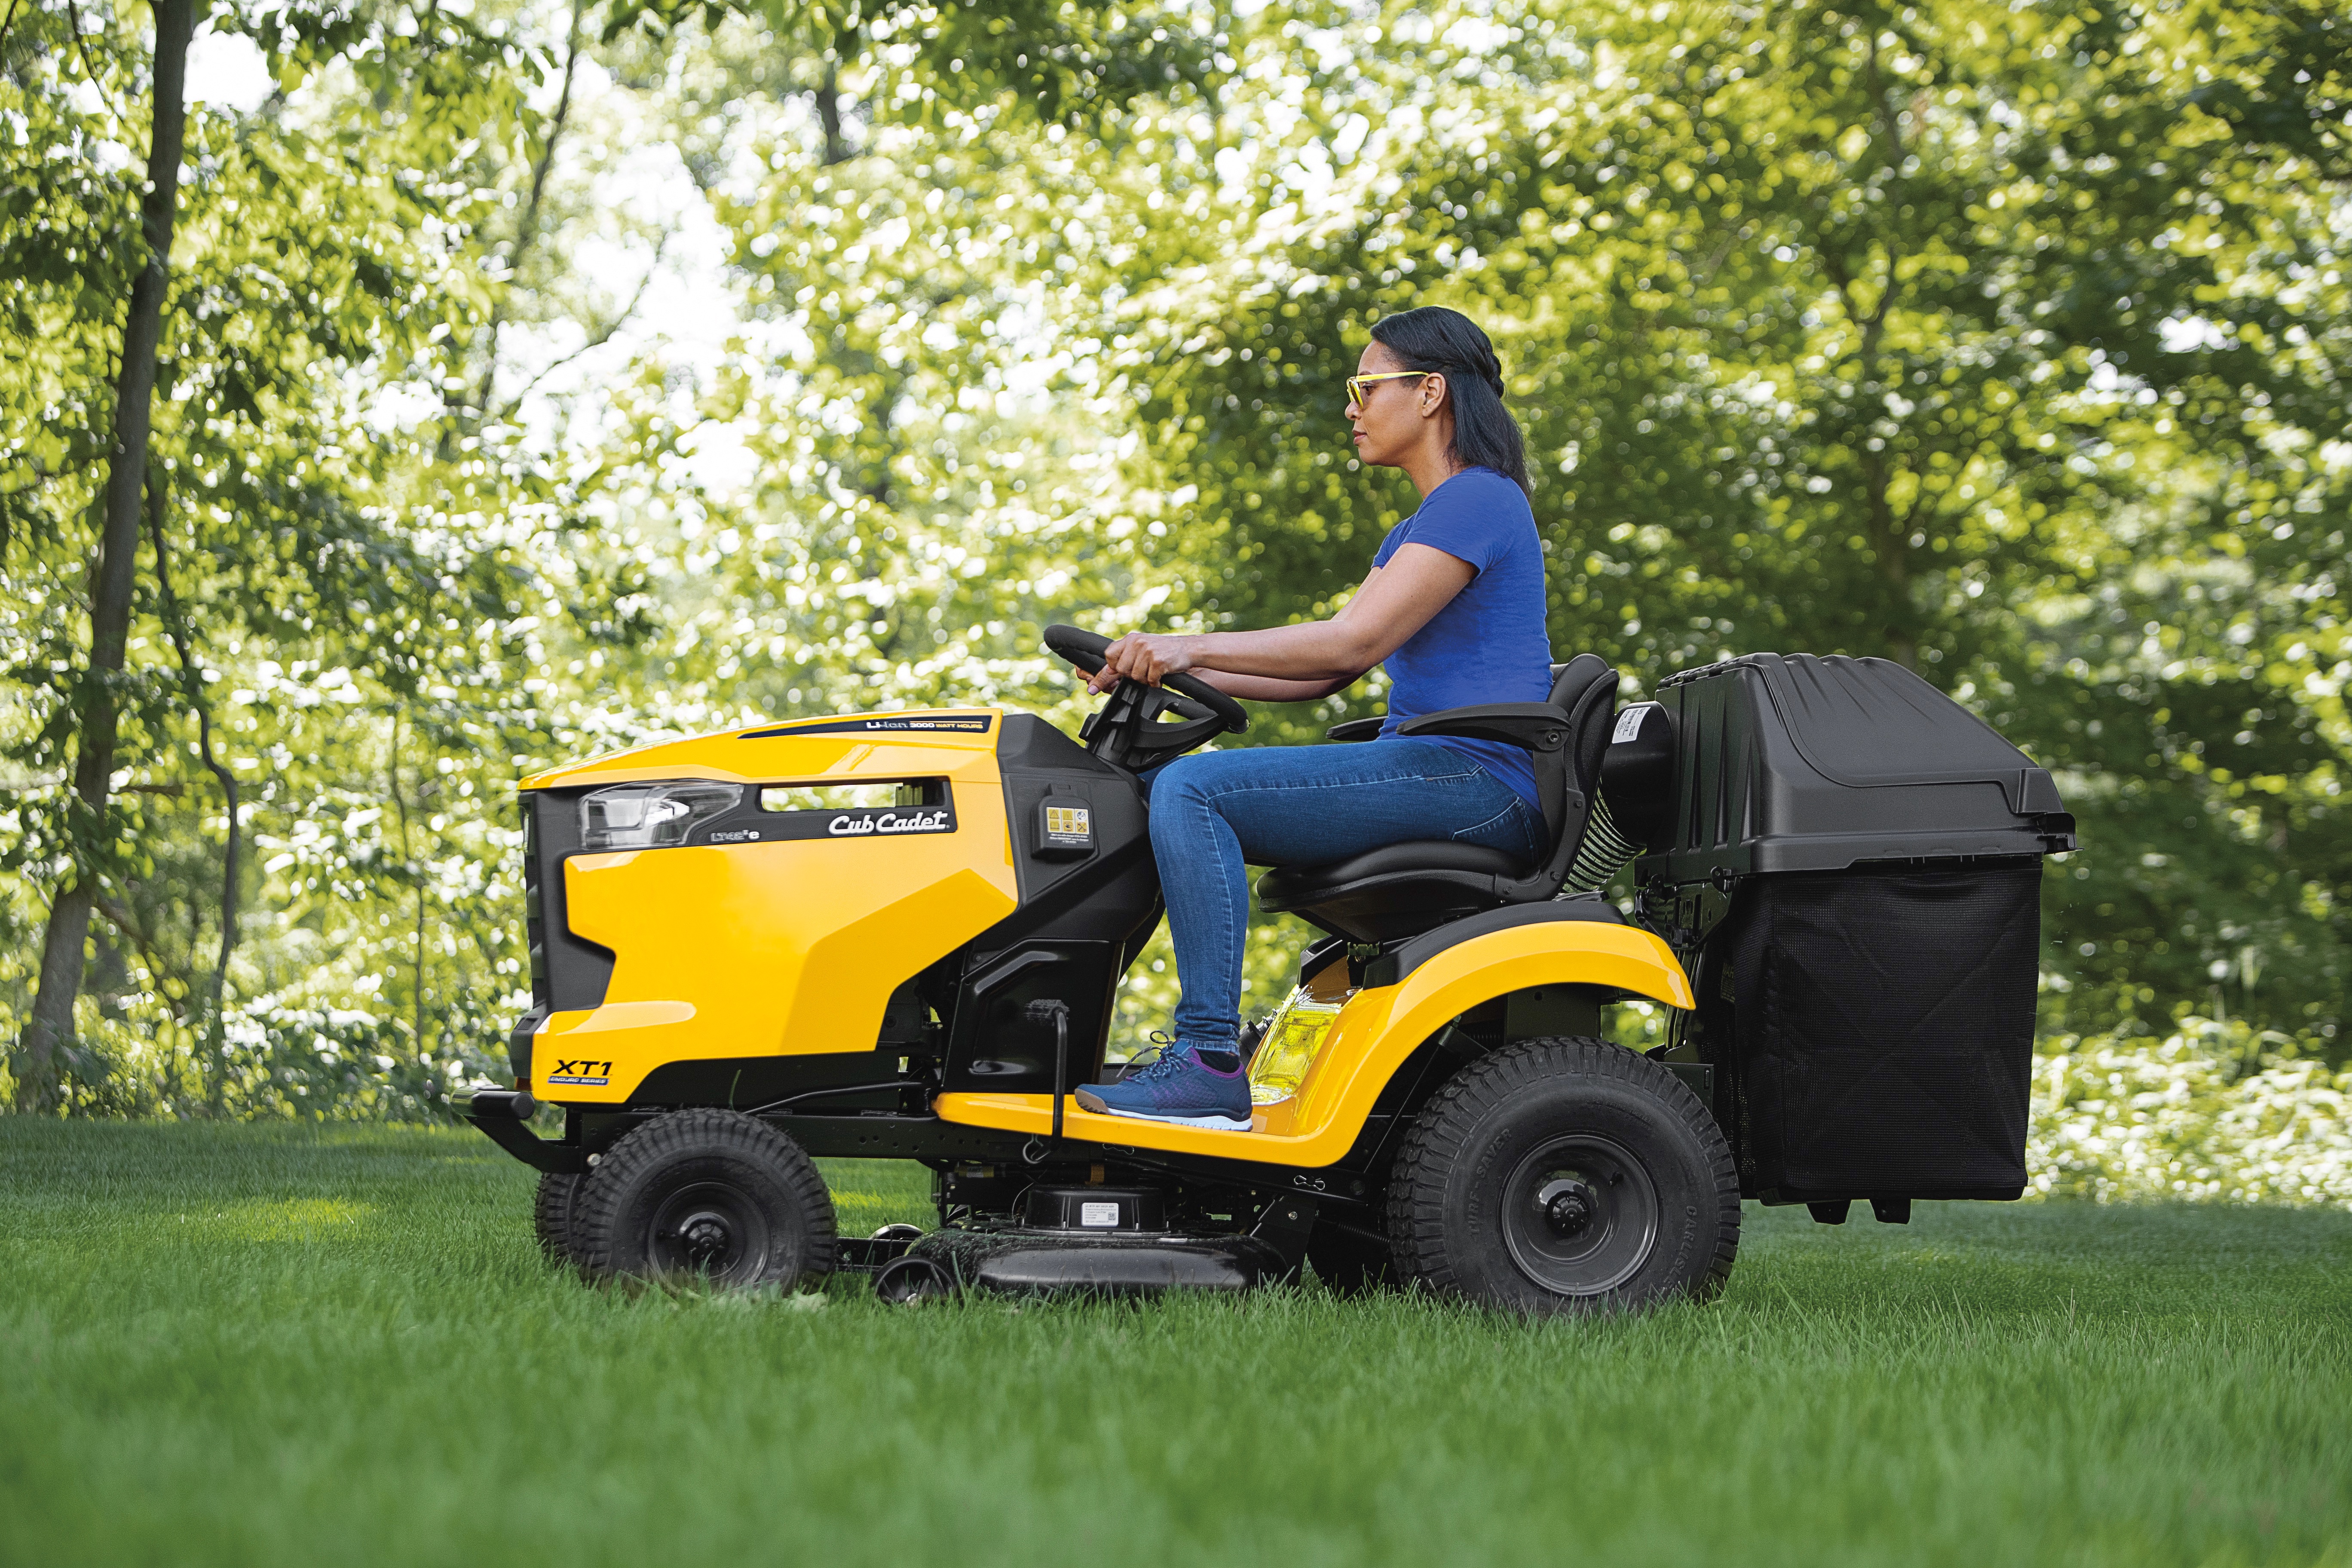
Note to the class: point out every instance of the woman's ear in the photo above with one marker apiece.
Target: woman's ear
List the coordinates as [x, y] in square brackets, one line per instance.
[1433, 394]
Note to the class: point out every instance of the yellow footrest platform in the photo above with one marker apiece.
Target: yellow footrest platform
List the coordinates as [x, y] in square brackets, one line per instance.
[1271, 1140]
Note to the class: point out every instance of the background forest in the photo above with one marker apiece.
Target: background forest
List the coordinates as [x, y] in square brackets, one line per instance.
[528, 381]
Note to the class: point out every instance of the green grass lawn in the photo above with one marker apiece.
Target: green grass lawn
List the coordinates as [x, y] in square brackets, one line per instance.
[248, 1345]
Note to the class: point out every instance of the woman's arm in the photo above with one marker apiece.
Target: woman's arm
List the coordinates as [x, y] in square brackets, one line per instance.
[1268, 688]
[1315, 658]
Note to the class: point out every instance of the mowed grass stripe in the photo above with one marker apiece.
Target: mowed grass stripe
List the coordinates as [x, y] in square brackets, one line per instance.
[288, 1345]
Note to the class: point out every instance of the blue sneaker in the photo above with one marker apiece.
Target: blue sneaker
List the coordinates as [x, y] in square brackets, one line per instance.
[1180, 1087]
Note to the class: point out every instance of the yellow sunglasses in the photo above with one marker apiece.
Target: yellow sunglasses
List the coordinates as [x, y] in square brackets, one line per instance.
[1359, 385]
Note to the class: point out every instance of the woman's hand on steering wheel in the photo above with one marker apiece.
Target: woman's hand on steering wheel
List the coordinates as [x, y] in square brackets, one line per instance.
[1149, 657]
[1126, 732]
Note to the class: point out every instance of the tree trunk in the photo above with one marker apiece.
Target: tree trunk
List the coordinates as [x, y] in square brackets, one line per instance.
[1890, 543]
[527, 231]
[192, 676]
[1890, 536]
[1891, 546]
[50, 1029]
[828, 116]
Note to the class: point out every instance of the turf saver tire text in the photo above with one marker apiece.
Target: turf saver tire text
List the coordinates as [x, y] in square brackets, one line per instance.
[711, 1193]
[1565, 1175]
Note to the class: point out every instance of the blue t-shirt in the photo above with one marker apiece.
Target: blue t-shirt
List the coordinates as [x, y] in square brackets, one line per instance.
[1489, 644]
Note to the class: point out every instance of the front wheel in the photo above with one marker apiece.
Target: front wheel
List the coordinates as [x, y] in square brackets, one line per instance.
[705, 1193]
[559, 1191]
[1564, 1176]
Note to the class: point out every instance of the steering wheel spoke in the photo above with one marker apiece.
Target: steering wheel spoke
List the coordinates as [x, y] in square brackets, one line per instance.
[1163, 700]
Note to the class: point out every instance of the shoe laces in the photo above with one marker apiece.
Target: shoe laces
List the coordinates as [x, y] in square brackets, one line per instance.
[1166, 1065]
[1150, 1055]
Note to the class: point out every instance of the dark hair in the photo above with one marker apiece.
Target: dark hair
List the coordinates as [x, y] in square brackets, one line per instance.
[1436, 339]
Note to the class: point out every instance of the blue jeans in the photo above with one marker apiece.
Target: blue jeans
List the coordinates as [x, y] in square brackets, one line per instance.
[1215, 811]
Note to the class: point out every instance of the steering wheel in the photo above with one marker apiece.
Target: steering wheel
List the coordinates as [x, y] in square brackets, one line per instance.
[1126, 731]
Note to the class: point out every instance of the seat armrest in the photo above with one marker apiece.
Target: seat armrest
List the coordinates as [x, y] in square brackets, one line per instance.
[1356, 729]
[1530, 726]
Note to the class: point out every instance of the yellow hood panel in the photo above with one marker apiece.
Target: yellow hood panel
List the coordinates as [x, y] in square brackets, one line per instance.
[786, 947]
[929, 742]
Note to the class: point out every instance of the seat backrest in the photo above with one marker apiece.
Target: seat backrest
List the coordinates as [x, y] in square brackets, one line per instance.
[1556, 773]
[1585, 690]
[1569, 680]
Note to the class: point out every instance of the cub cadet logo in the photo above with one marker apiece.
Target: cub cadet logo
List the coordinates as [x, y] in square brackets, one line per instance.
[845, 826]
[594, 1075]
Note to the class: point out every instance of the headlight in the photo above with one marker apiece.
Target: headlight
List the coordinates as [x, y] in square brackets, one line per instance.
[651, 815]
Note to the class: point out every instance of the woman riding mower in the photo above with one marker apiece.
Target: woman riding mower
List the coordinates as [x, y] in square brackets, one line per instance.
[1454, 605]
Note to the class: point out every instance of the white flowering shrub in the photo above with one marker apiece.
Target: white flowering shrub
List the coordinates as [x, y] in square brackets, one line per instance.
[2215, 1111]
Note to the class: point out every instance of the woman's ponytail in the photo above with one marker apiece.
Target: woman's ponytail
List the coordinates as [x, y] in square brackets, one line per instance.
[1434, 338]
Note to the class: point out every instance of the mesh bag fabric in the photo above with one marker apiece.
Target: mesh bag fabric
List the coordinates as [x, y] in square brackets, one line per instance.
[1880, 1025]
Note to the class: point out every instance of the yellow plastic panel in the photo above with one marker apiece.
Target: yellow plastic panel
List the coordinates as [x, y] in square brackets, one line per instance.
[1376, 1032]
[789, 754]
[785, 947]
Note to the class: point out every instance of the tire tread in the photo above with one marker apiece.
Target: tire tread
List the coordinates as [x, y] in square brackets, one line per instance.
[1416, 1191]
[552, 1212]
[707, 1130]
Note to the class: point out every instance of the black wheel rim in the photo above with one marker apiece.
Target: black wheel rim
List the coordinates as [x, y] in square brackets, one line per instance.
[710, 1229]
[1580, 1215]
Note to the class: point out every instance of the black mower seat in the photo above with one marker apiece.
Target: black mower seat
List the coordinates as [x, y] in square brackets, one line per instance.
[1400, 889]
[1297, 887]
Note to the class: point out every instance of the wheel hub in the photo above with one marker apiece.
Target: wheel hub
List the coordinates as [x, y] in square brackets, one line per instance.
[712, 1229]
[1580, 1215]
[706, 1238]
[1570, 1206]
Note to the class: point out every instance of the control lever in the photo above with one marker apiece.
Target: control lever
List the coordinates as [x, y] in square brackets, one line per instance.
[1057, 1012]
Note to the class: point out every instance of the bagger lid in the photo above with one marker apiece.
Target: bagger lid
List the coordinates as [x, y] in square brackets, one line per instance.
[1789, 763]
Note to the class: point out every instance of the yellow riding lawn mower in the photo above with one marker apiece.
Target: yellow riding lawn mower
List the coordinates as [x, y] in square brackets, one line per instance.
[901, 936]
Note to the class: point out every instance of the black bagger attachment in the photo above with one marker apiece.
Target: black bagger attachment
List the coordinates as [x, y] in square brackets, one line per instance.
[1849, 863]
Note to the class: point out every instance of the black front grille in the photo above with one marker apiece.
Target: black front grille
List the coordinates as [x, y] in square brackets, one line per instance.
[568, 972]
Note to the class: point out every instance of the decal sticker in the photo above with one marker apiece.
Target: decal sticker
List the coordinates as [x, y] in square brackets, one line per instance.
[1066, 829]
[1098, 1215]
[917, 819]
[586, 1074]
[737, 835]
[1629, 723]
[892, 726]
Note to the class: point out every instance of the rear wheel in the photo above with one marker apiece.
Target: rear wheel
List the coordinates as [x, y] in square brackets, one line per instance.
[710, 1195]
[1564, 1176]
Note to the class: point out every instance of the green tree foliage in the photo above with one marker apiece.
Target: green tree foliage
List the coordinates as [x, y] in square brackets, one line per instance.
[2005, 341]
[337, 571]
[1962, 335]
[1064, 62]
